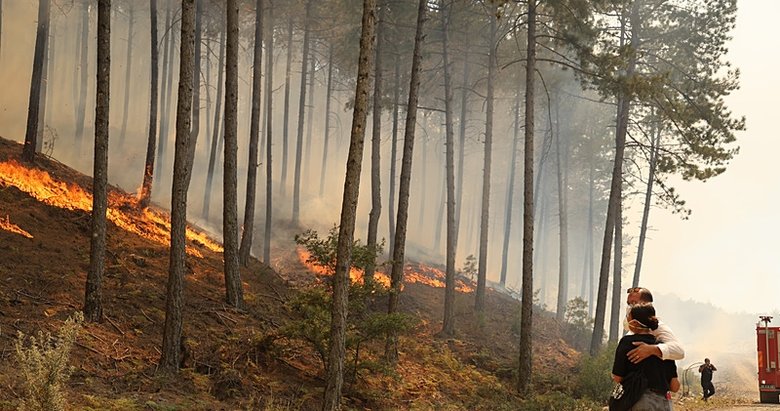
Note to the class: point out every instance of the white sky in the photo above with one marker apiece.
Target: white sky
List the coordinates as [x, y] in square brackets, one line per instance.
[728, 253]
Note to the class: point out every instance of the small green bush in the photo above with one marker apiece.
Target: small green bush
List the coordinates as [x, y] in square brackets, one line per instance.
[43, 363]
[594, 379]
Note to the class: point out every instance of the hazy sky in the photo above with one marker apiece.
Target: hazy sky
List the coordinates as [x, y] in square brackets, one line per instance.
[728, 253]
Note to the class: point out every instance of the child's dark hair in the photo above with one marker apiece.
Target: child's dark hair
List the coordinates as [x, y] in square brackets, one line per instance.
[644, 313]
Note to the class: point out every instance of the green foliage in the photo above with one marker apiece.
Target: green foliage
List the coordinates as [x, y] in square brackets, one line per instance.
[593, 379]
[469, 269]
[579, 326]
[323, 250]
[43, 363]
[556, 401]
[313, 306]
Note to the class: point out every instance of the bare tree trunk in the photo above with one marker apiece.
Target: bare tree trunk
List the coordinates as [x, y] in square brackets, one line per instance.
[47, 61]
[448, 325]
[424, 171]
[617, 273]
[146, 186]
[216, 135]
[440, 213]
[376, 142]
[329, 90]
[562, 154]
[93, 304]
[587, 270]
[296, 203]
[269, 87]
[654, 144]
[286, 125]
[196, 86]
[624, 106]
[33, 107]
[310, 114]
[182, 171]
[84, 81]
[254, 133]
[394, 154]
[510, 194]
[128, 71]
[234, 291]
[464, 111]
[399, 245]
[337, 349]
[166, 90]
[479, 303]
[526, 317]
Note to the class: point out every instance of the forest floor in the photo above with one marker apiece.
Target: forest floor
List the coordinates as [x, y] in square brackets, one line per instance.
[235, 359]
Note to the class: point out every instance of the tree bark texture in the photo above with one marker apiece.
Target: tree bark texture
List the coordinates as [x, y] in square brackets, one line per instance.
[165, 88]
[404, 184]
[448, 326]
[33, 107]
[48, 58]
[93, 304]
[196, 79]
[286, 120]
[479, 302]
[234, 291]
[510, 194]
[254, 133]
[617, 273]
[296, 203]
[151, 144]
[394, 154]
[526, 317]
[269, 87]
[562, 154]
[337, 349]
[182, 172]
[376, 142]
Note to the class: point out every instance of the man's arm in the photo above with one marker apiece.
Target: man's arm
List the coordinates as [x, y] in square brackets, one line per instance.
[668, 344]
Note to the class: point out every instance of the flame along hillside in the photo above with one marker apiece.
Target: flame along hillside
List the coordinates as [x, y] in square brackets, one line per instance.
[44, 244]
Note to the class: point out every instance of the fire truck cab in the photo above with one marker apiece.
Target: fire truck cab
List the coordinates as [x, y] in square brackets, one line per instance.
[768, 360]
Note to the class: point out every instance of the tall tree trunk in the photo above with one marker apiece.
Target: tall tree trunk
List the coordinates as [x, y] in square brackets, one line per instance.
[337, 349]
[216, 134]
[93, 304]
[440, 213]
[479, 303]
[464, 111]
[423, 171]
[196, 80]
[128, 71]
[328, 91]
[182, 172]
[310, 114]
[47, 61]
[296, 203]
[84, 80]
[448, 325]
[510, 194]
[624, 106]
[167, 77]
[254, 133]
[654, 144]
[562, 154]
[404, 185]
[376, 142]
[394, 154]
[269, 87]
[146, 186]
[286, 125]
[586, 290]
[33, 107]
[234, 291]
[526, 317]
[617, 273]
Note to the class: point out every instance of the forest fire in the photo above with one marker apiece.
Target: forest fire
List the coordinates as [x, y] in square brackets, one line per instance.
[122, 207]
[421, 274]
[7, 225]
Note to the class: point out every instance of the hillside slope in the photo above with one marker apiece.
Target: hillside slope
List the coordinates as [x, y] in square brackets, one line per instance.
[231, 362]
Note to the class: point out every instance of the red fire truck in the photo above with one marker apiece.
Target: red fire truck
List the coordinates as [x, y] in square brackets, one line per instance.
[768, 360]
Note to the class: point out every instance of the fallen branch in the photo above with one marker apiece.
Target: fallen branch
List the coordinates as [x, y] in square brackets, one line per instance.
[114, 324]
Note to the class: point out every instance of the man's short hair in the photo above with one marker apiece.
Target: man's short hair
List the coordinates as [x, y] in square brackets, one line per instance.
[644, 294]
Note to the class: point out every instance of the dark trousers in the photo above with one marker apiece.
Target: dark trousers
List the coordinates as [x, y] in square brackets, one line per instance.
[707, 388]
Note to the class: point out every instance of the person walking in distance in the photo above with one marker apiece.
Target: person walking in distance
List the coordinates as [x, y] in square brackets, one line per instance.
[706, 370]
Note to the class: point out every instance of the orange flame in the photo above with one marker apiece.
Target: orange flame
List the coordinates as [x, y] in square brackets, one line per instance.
[122, 207]
[422, 274]
[7, 225]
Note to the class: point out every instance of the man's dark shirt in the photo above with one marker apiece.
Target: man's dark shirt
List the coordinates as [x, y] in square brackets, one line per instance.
[706, 372]
[657, 371]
